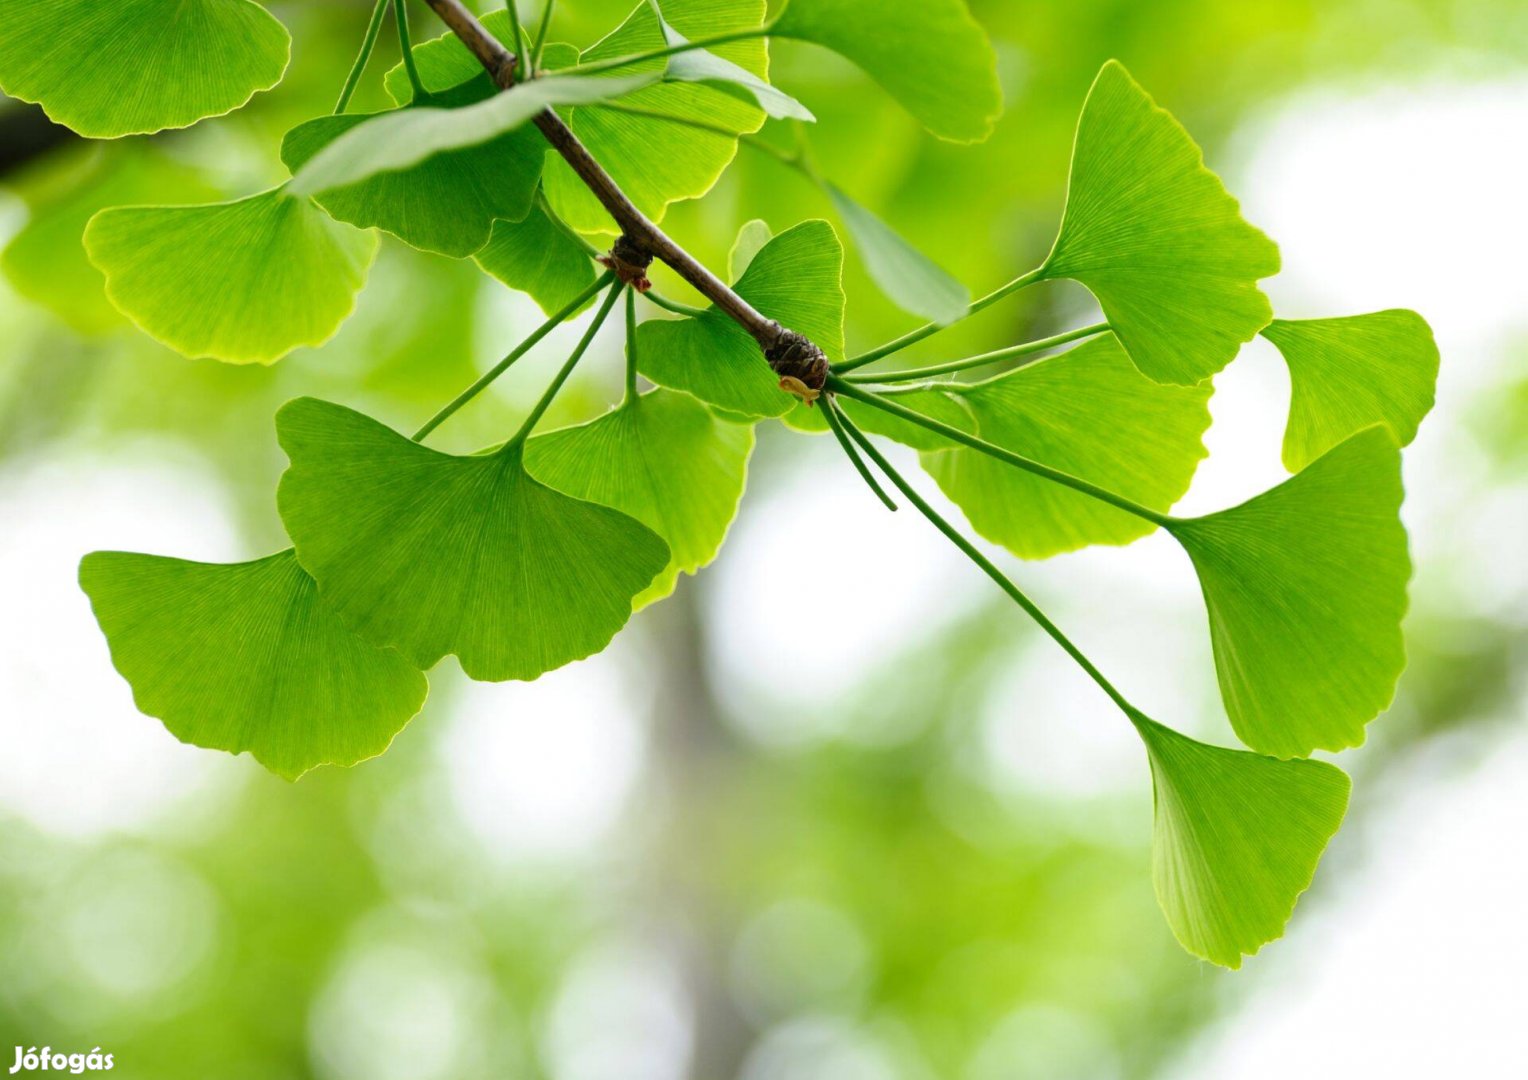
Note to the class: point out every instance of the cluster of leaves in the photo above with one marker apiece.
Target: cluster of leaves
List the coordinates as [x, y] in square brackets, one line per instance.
[536, 552]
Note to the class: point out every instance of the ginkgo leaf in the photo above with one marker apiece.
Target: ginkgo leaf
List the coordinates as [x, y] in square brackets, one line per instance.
[657, 161]
[538, 257]
[129, 67]
[701, 65]
[1306, 588]
[1346, 374]
[906, 275]
[1156, 238]
[664, 459]
[446, 203]
[751, 239]
[1236, 840]
[245, 281]
[796, 279]
[928, 54]
[1087, 412]
[435, 554]
[244, 656]
[403, 138]
[45, 261]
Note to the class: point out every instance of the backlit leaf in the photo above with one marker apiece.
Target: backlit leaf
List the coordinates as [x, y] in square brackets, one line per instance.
[663, 458]
[701, 65]
[245, 281]
[244, 656]
[1087, 412]
[45, 261]
[657, 161]
[125, 67]
[1306, 588]
[1236, 841]
[1346, 374]
[538, 257]
[796, 279]
[751, 239]
[435, 554]
[403, 138]
[1156, 238]
[901, 271]
[928, 54]
[446, 203]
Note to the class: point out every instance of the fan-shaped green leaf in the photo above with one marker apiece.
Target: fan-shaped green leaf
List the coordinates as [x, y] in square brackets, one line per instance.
[657, 161]
[538, 257]
[1154, 235]
[664, 459]
[45, 261]
[244, 281]
[446, 203]
[1306, 588]
[901, 271]
[928, 54]
[1087, 412]
[435, 554]
[796, 279]
[1237, 839]
[128, 67]
[1346, 374]
[403, 138]
[245, 656]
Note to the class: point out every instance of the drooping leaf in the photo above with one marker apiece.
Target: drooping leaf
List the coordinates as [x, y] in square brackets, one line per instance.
[435, 554]
[45, 261]
[1155, 237]
[796, 279]
[1236, 841]
[658, 161]
[928, 54]
[906, 275]
[446, 203]
[1346, 374]
[1306, 588]
[538, 257]
[1087, 412]
[245, 281]
[403, 138]
[245, 656]
[751, 239]
[129, 67]
[664, 459]
[702, 65]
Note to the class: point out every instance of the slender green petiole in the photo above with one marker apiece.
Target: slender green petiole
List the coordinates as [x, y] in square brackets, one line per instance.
[631, 344]
[986, 564]
[830, 413]
[594, 67]
[912, 337]
[672, 305]
[954, 434]
[373, 31]
[401, 17]
[558, 318]
[522, 50]
[567, 369]
[1013, 351]
[541, 29]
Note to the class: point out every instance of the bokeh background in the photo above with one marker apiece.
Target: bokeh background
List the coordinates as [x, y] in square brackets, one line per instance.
[834, 811]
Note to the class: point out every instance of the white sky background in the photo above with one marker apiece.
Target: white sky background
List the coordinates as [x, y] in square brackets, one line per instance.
[1414, 966]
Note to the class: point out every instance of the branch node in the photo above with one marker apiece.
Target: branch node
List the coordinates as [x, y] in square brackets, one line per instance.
[801, 365]
[630, 261]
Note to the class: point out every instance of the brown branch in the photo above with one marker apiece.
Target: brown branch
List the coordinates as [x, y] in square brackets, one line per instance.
[791, 355]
